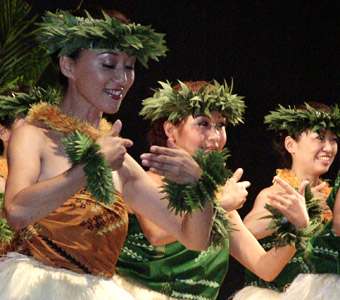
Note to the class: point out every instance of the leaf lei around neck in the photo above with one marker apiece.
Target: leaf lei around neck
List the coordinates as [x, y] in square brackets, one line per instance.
[80, 148]
[53, 117]
[289, 177]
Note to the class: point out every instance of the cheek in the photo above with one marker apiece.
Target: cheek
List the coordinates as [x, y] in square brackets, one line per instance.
[335, 149]
[191, 141]
[129, 82]
[131, 78]
[223, 140]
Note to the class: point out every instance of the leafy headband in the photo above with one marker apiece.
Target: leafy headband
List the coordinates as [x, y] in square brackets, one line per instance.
[296, 121]
[175, 105]
[18, 103]
[66, 33]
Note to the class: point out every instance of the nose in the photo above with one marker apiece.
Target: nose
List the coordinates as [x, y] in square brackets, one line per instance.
[328, 146]
[213, 134]
[120, 75]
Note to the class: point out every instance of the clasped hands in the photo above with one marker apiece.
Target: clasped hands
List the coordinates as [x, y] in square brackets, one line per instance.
[179, 166]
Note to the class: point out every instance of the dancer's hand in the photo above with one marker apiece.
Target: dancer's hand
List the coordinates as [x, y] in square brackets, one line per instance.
[322, 196]
[172, 162]
[234, 193]
[113, 146]
[291, 203]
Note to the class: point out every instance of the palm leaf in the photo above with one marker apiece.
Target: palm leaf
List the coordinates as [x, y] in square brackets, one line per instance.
[20, 54]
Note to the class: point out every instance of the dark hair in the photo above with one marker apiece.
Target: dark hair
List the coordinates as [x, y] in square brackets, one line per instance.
[279, 138]
[156, 135]
[96, 13]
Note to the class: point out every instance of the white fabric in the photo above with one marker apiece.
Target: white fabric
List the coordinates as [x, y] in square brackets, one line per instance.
[304, 287]
[314, 287]
[256, 293]
[23, 278]
[139, 291]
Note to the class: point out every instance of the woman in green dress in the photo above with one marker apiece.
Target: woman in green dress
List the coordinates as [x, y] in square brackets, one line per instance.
[194, 115]
[307, 145]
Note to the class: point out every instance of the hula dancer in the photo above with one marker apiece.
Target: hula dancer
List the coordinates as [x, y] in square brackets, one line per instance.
[194, 116]
[306, 139]
[70, 217]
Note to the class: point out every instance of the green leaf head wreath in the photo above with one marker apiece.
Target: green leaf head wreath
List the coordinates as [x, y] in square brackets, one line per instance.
[176, 105]
[64, 33]
[17, 103]
[296, 121]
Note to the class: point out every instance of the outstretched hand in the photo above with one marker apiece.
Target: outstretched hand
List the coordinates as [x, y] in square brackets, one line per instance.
[291, 203]
[172, 162]
[114, 147]
[234, 193]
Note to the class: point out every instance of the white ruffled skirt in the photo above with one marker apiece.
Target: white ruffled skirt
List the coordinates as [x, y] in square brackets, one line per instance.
[23, 278]
[256, 293]
[139, 291]
[304, 287]
[314, 287]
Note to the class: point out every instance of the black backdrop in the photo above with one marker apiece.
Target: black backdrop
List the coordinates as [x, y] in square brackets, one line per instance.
[283, 52]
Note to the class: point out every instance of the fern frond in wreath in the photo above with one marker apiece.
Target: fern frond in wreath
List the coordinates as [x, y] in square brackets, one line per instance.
[285, 233]
[81, 149]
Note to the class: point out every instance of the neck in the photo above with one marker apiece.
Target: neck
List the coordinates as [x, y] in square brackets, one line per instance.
[75, 105]
[312, 178]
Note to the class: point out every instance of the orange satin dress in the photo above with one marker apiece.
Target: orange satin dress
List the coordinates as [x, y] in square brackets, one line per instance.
[80, 236]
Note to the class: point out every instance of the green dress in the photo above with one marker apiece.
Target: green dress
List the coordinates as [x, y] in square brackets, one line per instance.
[172, 269]
[322, 252]
[295, 266]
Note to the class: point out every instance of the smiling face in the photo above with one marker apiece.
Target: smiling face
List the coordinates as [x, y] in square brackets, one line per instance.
[101, 78]
[313, 154]
[192, 133]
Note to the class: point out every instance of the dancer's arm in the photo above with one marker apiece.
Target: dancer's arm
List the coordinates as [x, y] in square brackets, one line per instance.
[295, 200]
[246, 249]
[336, 214]
[142, 194]
[38, 183]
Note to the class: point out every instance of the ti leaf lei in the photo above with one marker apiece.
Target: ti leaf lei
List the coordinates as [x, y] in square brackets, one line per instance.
[66, 33]
[297, 121]
[6, 232]
[184, 199]
[18, 103]
[285, 233]
[81, 149]
[175, 105]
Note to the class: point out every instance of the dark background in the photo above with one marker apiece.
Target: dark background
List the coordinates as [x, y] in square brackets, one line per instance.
[283, 52]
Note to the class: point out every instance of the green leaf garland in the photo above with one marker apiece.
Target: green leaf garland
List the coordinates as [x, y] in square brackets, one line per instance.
[81, 149]
[18, 103]
[286, 233]
[6, 233]
[66, 33]
[184, 199]
[297, 121]
[175, 105]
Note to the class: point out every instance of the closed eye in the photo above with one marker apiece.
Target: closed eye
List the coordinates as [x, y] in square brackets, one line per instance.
[109, 66]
